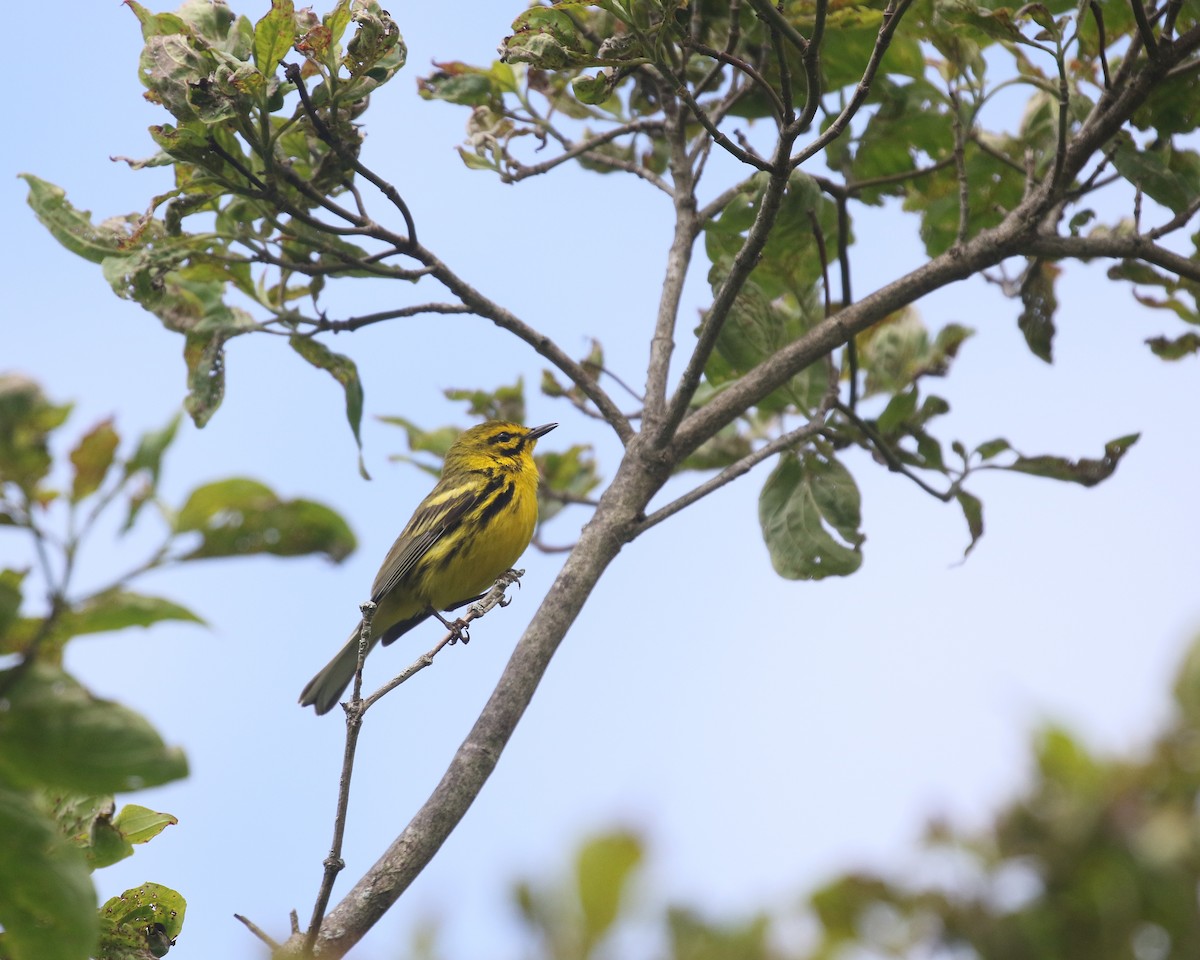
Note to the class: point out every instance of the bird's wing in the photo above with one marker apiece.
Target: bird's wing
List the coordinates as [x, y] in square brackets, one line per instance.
[434, 518]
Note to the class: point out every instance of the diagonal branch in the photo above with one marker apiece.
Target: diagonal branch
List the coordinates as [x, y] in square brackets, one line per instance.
[506, 320]
[785, 442]
[731, 286]
[292, 72]
[679, 258]
[1116, 247]
[892, 16]
[575, 149]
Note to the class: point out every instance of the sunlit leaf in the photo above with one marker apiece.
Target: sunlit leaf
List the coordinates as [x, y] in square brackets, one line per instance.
[603, 867]
[92, 457]
[273, 36]
[143, 921]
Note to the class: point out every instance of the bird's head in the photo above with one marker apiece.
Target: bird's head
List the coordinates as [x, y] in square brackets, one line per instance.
[496, 441]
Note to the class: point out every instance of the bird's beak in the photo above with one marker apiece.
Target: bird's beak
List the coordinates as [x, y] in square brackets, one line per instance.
[541, 431]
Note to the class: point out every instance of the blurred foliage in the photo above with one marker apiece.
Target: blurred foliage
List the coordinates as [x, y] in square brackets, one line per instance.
[1097, 859]
[64, 753]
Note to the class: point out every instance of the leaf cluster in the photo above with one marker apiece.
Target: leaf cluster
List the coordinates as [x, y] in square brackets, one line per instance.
[65, 753]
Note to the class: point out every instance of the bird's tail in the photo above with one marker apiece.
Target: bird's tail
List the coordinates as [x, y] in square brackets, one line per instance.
[324, 690]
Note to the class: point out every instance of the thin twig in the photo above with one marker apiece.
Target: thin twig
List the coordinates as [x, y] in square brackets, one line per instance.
[743, 466]
[1101, 42]
[334, 864]
[892, 16]
[257, 931]
[722, 141]
[960, 168]
[679, 258]
[775, 18]
[1179, 220]
[812, 68]
[355, 323]
[292, 72]
[506, 320]
[493, 598]
[1144, 29]
[889, 455]
[743, 263]
[781, 108]
[847, 294]
[521, 171]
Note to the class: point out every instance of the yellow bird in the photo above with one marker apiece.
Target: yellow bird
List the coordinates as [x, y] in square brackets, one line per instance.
[474, 525]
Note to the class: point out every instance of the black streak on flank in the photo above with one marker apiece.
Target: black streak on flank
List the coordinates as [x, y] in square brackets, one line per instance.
[497, 503]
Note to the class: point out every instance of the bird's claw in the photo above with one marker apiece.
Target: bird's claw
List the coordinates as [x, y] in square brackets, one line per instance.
[459, 631]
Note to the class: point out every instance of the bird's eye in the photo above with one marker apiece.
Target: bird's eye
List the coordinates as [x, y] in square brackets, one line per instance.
[503, 437]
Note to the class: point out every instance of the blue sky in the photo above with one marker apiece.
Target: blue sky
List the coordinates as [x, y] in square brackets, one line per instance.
[762, 733]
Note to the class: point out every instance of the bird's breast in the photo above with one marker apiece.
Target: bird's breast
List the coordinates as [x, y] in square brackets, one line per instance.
[496, 534]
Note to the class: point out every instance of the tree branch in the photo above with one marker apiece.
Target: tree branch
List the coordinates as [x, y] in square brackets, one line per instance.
[892, 15]
[787, 441]
[506, 320]
[575, 149]
[739, 273]
[1115, 247]
[292, 72]
[679, 258]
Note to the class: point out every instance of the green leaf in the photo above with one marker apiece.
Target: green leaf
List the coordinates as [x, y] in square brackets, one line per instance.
[92, 457]
[1167, 176]
[117, 609]
[74, 229]
[1038, 305]
[570, 473]
[55, 733]
[896, 351]
[972, 509]
[111, 838]
[344, 371]
[140, 824]
[47, 903]
[1177, 348]
[992, 448]
[810, 513]
[105, 836]
[10, 598]
[693, 938]
[1083, 471]
[141, 922]
[274, 35]
[436, 442]
[602, 871]
[150, 450]
[547, 38]
[504, 403]
[593, 90]
[26, 421]
[461, 83]
[240, 517]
